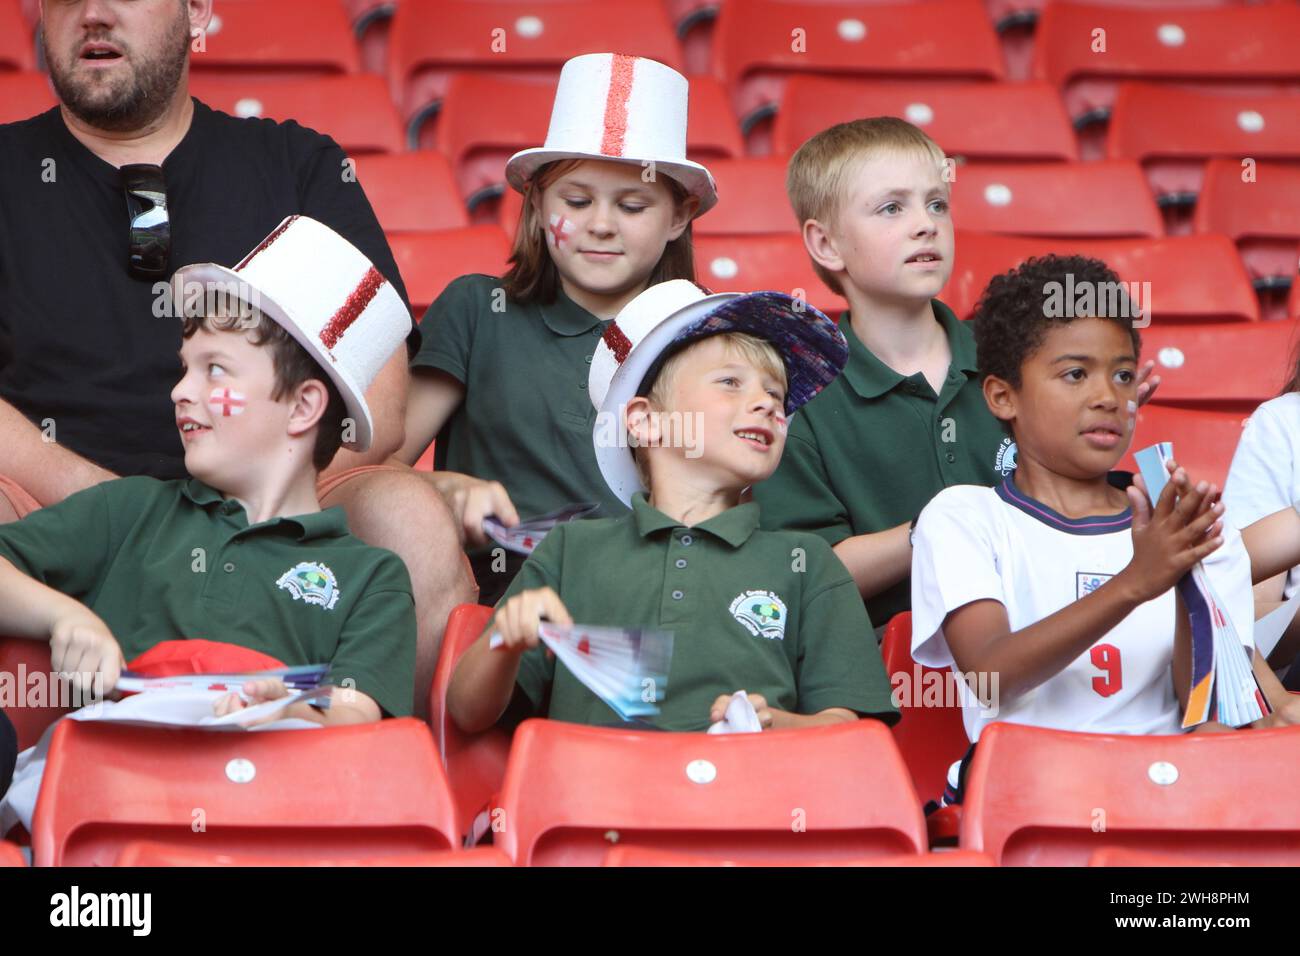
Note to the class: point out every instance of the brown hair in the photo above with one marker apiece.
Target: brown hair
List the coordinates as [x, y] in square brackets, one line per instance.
[532, 276]
[760, 353]
[292, 364]
[817, 177]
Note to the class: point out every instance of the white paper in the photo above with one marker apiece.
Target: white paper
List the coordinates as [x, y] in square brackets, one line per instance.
[740, 718]
[185, 707]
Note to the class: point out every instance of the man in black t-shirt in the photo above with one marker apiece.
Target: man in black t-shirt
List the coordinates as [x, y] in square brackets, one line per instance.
[85, 394]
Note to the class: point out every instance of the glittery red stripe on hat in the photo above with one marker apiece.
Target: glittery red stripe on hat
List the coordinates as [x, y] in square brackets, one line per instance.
[620, 91]
[279, 231]
[361, 297]
[618, 343]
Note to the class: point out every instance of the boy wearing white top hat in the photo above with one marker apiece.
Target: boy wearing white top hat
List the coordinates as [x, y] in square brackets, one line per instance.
[278, 353]
[772, 613]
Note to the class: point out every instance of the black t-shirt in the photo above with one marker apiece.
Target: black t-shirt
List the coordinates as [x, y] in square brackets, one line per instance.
[87, 351]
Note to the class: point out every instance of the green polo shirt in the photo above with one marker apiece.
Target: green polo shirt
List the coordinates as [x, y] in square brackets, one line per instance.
[874, 447]
[526, 420]
[809, 646]
[162, 560]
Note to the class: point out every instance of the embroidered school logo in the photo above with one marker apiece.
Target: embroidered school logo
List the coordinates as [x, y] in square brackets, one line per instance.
[311, 584]
[1088, 581]
[1005, 462]
[762, 613]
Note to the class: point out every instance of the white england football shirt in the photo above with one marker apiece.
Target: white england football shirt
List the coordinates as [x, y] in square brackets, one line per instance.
[975, 543]
[1265, 473]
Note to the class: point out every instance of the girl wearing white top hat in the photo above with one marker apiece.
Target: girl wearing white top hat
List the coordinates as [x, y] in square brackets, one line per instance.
[501, 378]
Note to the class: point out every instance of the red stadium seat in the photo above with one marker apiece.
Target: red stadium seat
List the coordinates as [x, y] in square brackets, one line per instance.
[1053, 798]
[1153, 125]
[17, 51]
[431, 39]
[479, 136]
[840, 791]
[144, 853]
[1204, 441]
[1293, 306]
[1225, 367]
[11, 855]
[758, 44]
[1120, 856]
[643, 856]
[371, 20]
[366, 790]
[756, 202]
[277, 39]
[1230, 45]
[1257, 205]
[1192, 278]
[23, 95]
[430, 260]
[476, 764]
[27, 664]
[354, 109]
[1102, 200]
[694, 21]
[412, 192]
[931, 736]
[775, 263]
[969, 121]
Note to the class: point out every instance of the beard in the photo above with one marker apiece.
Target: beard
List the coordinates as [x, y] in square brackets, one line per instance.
[131, 100]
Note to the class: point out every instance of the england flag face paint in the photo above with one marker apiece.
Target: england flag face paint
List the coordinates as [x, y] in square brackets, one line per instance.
[558, 233]
[226, 402]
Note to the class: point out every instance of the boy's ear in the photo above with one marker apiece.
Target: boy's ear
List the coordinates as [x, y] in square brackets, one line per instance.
[306, 406]
[641, 422]
[821, 246]
[1000, 398]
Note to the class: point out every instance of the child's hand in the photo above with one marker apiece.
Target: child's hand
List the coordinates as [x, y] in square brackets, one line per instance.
[473, 499]
[258, 692]
[81, 647]
[1170, 539]
[517, 620]
[757, 701]
[1287, 715]
[1147, 383]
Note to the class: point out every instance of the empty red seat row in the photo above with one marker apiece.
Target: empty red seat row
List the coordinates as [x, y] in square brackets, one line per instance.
[276, 40]
[430, 40]
[1188, 278]
[1257, 205]
[1087, 48]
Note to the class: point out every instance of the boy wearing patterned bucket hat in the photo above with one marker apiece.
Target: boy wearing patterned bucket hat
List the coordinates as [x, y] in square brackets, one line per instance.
[693, 392]
[278, 353]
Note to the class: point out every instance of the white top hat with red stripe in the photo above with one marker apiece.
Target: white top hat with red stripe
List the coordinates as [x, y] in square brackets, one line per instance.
[670, 314]
[623, 108]
[326, 294]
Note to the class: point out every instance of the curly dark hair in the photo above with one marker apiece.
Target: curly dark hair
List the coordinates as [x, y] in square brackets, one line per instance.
[1018, 307]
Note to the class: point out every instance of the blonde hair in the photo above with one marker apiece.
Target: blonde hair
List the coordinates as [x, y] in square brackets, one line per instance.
[817, 178]
[759, 353]
[532, 276]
